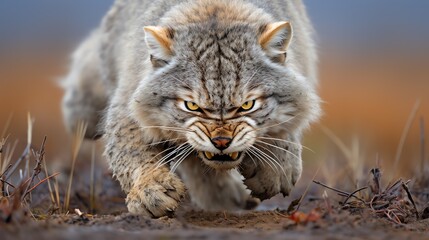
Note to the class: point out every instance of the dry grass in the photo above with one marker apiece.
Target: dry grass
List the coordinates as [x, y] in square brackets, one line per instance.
[78, 138]
[16, 195]
[404, 135]
[92, 181]
[395, 201]
[354, 167]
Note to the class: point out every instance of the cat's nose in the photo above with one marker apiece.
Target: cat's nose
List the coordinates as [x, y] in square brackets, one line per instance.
[221, 143]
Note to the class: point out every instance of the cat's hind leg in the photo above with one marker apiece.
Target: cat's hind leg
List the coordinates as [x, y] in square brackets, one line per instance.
[85, 94]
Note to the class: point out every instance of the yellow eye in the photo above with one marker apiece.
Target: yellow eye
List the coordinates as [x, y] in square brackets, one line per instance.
[191, 106]
[247, 105]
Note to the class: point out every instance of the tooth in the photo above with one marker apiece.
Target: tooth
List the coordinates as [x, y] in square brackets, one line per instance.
[234, 155]
[209, 155]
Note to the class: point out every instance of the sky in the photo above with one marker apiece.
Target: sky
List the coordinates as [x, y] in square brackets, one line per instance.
[345, 24]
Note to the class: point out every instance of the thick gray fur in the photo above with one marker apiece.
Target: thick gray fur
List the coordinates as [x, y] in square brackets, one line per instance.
[217, 61]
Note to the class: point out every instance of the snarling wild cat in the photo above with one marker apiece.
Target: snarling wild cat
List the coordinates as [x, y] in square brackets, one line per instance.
[205, 96]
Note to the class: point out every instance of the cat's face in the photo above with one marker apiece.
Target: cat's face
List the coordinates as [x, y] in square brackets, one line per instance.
[220, 89]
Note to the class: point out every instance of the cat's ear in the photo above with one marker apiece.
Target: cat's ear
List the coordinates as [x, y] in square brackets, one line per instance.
[159, 40]
[275, 39]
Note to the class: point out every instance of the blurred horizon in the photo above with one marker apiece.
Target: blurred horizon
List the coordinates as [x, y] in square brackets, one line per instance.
[373, 68]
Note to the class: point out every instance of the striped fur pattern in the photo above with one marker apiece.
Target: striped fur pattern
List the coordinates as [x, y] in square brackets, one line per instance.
[208, 97]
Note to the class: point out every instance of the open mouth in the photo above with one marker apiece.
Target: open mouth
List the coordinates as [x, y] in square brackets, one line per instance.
[230, 157]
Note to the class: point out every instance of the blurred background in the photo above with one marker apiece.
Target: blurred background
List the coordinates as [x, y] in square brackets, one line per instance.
[374, 67]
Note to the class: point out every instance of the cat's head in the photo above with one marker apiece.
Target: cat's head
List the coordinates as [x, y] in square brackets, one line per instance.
[219, 88]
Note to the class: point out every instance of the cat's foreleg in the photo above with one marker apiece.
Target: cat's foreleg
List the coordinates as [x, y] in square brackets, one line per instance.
[271, 170]
[151, 190]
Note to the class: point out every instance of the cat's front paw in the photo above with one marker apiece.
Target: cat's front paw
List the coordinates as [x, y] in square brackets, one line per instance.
[156, 195]
[266, 182]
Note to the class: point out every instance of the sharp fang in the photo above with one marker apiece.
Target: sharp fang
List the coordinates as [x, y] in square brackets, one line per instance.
[209, 155]
[234, 155]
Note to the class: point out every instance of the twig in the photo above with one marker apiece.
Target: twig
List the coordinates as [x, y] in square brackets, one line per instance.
[393, 187]
[353, 193]
[2, 143]
[41, 181]
[333, 189]
[305, 192]
[3, 180]
[395, 218]
[8, 183]
[27, 148]
[340, 192]
[376, 179]
[5, 171]
[371, 205]
[410, 197]
[37, 168]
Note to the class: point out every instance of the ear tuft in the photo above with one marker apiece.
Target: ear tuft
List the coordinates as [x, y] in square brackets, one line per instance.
[159, 40]
[275, 39]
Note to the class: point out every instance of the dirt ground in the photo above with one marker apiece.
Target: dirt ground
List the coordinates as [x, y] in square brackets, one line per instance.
[318, 217]
[200, 225]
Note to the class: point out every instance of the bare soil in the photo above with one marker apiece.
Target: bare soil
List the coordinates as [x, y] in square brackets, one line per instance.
[331, 220]
[217, 225]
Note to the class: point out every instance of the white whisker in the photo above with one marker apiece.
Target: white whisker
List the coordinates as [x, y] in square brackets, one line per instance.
[185, 155]
[269, 158]
[165, 150]
[286, 141]
[276, 161]
[168, 160]
[260, 157]
[250, 151]
[253, 160]
[164, 141]
[178, 148]
[277, 124]
[178, 162]
[274, 146]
